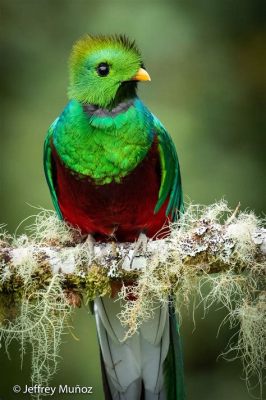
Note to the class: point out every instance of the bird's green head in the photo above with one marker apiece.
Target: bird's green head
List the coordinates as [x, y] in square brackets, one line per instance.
[104, 70]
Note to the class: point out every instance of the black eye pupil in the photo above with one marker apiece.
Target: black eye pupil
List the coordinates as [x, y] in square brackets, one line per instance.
[103, 69]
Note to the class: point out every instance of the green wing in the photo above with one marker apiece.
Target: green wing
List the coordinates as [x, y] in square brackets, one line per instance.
[171, 178]
[47, 162]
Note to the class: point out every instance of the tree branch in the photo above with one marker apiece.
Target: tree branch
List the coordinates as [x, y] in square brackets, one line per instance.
[203, 240]
[52, 268]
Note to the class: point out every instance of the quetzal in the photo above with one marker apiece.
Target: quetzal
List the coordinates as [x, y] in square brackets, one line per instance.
[113, 171]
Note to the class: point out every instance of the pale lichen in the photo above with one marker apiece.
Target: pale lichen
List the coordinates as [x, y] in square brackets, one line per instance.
[40, 325]
[48, 229]
[250, 320]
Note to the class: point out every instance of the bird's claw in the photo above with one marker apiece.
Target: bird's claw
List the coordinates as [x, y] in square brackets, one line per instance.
[90, 241]
[141, 244]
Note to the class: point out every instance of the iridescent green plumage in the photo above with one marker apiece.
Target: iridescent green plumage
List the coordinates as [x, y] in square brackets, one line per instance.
[108, 149]
[88, 147]
[123, 57]
[171, 179]
[47, 163]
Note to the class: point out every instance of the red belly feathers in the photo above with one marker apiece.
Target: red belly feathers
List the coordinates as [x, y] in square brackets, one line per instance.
[118, 210]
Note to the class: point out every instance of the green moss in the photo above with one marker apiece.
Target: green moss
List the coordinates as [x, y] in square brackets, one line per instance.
[9, 307]
[97, 282]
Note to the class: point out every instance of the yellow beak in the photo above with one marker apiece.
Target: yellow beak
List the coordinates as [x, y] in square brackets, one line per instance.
[141, 75]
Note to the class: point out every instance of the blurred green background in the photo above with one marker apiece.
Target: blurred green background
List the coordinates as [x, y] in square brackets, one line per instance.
[207, 62]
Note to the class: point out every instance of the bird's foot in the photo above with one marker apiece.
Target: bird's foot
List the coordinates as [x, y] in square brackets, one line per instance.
[90, 241]
[140, 248]
[114, 249]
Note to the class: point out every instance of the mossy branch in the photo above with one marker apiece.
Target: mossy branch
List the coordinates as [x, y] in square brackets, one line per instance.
[51, 269]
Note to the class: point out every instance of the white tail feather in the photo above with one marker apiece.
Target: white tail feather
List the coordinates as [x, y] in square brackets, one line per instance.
[138, 359]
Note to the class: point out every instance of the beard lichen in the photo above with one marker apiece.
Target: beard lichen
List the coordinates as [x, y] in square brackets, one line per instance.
[39, 324]
[52, 268]
[249, 319]
[48, 229]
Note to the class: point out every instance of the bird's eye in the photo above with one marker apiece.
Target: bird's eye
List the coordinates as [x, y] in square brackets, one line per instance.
[103, 69]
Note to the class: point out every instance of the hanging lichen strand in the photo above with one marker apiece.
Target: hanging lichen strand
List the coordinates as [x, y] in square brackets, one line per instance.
[47, 272]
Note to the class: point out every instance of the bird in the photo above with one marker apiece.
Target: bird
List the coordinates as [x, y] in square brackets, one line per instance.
[113, 173]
